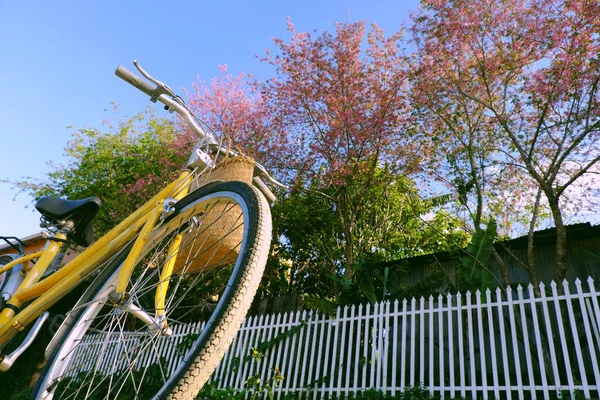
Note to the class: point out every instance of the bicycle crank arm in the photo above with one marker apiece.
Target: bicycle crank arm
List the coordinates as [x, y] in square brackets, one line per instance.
[8, 361]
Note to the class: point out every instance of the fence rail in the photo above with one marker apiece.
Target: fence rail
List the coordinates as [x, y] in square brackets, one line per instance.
[501, 344]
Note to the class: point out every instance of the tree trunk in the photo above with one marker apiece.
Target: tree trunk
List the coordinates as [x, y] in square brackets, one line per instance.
[349, 253]
[502, 267]
[530, 252]
[347, 225]
[561, 241]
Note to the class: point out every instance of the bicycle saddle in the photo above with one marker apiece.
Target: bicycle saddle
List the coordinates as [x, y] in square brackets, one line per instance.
[80, 212]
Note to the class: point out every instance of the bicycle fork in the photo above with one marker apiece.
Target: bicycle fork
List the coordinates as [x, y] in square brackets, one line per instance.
[162, 209]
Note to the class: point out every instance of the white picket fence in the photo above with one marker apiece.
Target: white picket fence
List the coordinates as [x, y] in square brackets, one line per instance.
[506, 344]
[97, 352]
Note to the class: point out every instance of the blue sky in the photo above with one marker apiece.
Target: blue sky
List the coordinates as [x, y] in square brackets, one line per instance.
[57, 61]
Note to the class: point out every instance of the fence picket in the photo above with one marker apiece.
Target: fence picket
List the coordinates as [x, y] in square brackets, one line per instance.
[357, 348]
[232, 351]
[319, 358]
[307, 341]
[350, 344]
[395, 348]
[386, 345]
[328, 356]
[471, 339]
[482, 351]
[146, 358]
[379, 356]
[268, 360]
[403, 366]
[244, 349]
[365, 345]
[526, 340]
[441, 345]
[461, 348]
[252, 344]
[594, 296]
[588, 332]
[296, 351]
[488, 301]
[451, 347]
[342, 351]
[571, 313]
[538, 341]
[373, 334]
[421, 340]
[515, 343]
[431, 340]
[563, 340]
[596, 318]
[550, 335]
[413, 316]
[175, 339]
[285, 369]
[285, 325]
[594, 325]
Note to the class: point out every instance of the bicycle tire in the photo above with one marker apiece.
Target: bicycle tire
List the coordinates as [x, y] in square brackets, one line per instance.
[131, 372]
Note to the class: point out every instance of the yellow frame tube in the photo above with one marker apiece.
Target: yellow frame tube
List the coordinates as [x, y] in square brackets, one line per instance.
[35, 273]
[137, 248]
[165, 275]
[18, 261]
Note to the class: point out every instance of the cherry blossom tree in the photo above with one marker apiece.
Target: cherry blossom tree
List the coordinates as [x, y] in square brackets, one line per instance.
[530, 70]
[340, 100]
[234, 108]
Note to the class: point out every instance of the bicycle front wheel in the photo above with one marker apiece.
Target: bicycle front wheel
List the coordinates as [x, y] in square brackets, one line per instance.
[220, 235]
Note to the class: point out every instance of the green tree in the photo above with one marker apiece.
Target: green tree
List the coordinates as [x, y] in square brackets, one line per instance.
[124, 166]
[395, 223]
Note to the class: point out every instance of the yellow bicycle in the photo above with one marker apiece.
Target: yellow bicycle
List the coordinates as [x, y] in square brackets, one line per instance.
[172, 285]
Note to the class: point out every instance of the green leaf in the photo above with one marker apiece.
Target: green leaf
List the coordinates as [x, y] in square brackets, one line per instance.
[478, 255]
[440, 200]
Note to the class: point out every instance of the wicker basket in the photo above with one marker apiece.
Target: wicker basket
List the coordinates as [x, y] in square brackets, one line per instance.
[221, 227]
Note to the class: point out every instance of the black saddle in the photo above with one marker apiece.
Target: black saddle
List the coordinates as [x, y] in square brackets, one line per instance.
[80, 212]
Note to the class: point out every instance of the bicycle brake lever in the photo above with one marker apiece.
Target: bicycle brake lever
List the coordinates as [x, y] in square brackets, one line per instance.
[161, 87]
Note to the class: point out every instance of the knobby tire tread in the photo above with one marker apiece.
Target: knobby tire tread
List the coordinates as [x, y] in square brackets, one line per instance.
[207, 360]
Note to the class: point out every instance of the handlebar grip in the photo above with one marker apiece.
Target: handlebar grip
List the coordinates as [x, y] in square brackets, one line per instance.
[135, 80]
[260, 185]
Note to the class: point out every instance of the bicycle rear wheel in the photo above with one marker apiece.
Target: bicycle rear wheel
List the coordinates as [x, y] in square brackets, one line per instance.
[110, 353]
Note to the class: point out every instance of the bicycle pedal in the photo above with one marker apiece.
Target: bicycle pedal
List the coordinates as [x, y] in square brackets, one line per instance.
[8, 361]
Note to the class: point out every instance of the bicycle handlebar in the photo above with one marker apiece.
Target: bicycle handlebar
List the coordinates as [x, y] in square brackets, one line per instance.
[161, 92]
[135, 80]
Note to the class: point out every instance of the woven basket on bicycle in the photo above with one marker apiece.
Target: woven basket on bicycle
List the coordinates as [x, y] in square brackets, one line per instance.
[221, 230]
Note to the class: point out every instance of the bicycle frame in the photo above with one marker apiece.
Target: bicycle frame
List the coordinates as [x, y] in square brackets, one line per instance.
[48, 291]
